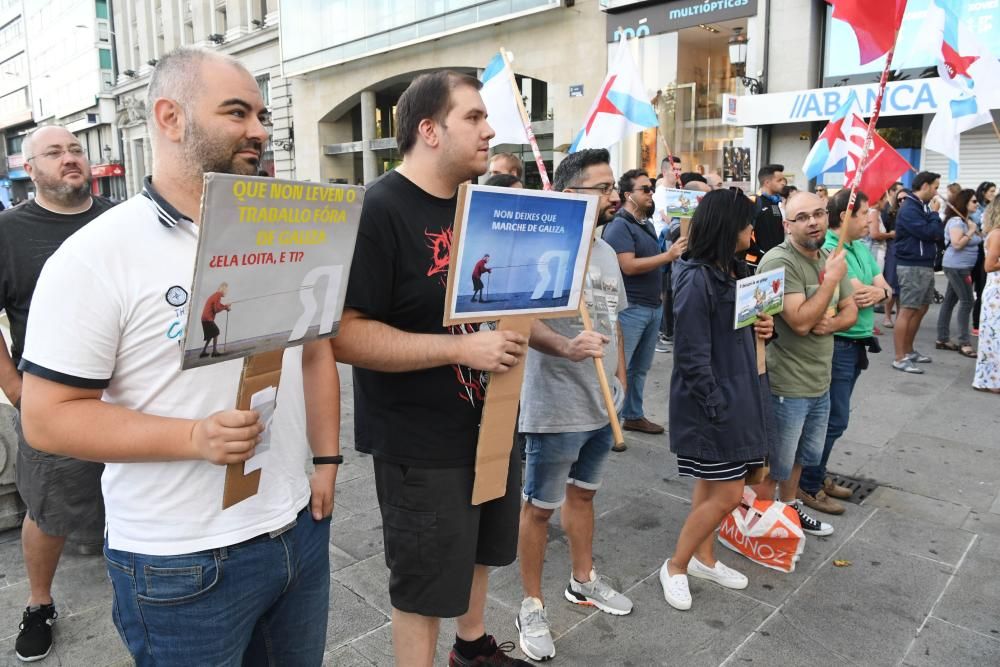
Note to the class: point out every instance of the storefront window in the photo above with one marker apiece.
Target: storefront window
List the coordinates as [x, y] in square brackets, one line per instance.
[690, 71]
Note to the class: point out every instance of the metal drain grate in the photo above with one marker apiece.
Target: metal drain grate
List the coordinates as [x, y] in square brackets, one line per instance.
[862, 488]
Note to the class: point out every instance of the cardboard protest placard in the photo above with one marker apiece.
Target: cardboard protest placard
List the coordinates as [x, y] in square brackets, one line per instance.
[682, 203]
[757, 294]
[760, 293]
[271, 272]
[518, 252]
[272, 267]
[516, 255]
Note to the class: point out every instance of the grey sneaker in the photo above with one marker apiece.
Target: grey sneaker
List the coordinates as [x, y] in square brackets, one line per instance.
[533, 631]
[663, 346]
[918, 358]
[598, 593]
[907, 366]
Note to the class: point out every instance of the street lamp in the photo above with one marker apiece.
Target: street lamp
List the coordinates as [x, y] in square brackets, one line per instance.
[738, 47]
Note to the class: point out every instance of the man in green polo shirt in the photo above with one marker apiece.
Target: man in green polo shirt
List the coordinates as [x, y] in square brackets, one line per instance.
[850, 347]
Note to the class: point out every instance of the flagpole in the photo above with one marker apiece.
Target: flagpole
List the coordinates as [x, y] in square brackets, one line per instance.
[863, 162]
[546, 184]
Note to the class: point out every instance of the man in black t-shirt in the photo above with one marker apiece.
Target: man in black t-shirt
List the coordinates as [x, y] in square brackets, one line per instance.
[62, 495]
[419, 387]
[769, 223]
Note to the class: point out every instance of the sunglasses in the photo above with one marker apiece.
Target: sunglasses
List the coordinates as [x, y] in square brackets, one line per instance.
[644, 188]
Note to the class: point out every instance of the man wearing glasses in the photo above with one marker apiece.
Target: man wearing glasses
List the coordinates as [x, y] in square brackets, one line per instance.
[818, 303]
[63, 495]
[634, 239]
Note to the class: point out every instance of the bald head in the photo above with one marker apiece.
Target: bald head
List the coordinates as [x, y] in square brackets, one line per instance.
[178, 75]
[40, 139]
[800, 201]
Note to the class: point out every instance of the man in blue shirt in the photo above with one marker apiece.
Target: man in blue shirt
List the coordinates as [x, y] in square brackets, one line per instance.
[632, 236]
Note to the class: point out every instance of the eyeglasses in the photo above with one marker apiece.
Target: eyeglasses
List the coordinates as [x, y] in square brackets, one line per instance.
[818, 215]
[604, 188]
[644, 188]
[56, 153]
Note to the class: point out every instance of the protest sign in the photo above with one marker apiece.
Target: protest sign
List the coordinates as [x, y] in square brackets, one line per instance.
[682, 203]
[760, 293]
[518, 252]
[272, 265]
[271, 272]
[537, 244]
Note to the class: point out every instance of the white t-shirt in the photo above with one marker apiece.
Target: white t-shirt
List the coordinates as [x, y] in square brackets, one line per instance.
[109, 312]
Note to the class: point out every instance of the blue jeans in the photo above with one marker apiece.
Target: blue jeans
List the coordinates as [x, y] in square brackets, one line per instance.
[557, 459]
[260, 602]
[845, 375]
[640, 327]
[801, 424]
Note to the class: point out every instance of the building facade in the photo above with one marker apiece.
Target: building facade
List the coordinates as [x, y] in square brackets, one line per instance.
[145, 30]
[15, 100]
[56, 67]
[812, 67]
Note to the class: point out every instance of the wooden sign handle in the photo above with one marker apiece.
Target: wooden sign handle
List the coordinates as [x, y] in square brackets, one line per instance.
[602, 378]
[259, 371]
[761, 355]
[499, 423]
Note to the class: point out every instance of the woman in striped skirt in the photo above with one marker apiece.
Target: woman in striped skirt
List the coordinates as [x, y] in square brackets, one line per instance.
[717, 407]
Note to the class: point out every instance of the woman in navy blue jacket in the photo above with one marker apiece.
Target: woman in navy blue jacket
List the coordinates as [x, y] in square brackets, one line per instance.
[717, 408]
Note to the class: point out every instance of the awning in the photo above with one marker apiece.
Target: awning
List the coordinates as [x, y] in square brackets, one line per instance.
[902, 98]
[107, 170]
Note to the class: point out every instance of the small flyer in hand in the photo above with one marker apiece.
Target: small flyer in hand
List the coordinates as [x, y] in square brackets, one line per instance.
[761, 293]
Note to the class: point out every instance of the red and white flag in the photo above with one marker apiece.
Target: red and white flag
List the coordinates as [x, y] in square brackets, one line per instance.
[884, 166]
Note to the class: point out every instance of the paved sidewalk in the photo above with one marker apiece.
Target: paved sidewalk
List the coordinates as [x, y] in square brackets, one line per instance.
[923, 587]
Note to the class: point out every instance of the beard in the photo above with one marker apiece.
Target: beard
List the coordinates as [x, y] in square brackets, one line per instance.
[61, 192]
[212, 153]
[812, 244]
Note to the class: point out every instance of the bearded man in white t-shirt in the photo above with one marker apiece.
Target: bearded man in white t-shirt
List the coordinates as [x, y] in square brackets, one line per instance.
[193, 583]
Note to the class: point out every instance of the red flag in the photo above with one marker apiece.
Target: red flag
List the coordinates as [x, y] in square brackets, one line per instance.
[875, 23]
[885, 165]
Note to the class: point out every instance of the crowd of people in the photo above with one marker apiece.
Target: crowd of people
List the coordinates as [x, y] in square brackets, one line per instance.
[115, 435]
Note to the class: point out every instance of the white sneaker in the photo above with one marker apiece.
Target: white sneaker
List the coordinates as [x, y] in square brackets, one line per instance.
[533, 631]
[675, 589]
[721, 574]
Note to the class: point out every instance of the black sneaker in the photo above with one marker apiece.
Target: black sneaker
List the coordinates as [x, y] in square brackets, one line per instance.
[496, 655]
[34, 641]
[809, 524]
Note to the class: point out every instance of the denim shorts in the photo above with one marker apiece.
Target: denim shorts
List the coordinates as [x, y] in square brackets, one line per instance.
[801, 431]
[554, 460]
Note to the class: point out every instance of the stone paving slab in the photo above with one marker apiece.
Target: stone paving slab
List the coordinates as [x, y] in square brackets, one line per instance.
[972, 599]
[657, 634]
[942, 644]
[920, 507]
[865, 613]
[933, 467]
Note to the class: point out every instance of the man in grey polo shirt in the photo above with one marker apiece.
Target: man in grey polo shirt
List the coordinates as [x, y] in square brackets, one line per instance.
[565, 420]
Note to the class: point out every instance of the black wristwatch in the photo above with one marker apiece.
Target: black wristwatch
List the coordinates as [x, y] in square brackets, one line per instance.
[328, 460]
[887, 293]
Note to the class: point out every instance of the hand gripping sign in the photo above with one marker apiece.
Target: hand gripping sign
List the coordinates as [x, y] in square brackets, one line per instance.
[271, 272]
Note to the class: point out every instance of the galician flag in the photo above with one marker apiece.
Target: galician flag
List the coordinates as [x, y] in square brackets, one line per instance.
[622, 108]
[830, 150]
[972, 71]
[502, 111]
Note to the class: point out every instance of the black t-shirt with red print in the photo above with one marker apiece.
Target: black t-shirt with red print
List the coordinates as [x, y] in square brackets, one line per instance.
[427, 418]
